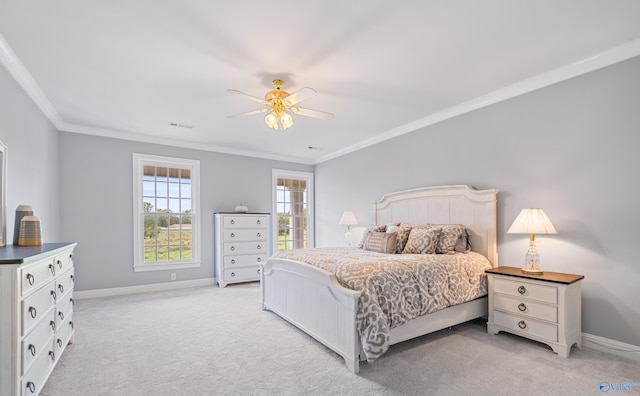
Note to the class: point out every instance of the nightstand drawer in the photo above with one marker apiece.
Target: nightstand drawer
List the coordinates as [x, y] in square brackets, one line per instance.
[526, 308]
[526, 327]
[533, 291]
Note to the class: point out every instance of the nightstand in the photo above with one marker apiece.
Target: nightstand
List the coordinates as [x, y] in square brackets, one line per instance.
[545, 308]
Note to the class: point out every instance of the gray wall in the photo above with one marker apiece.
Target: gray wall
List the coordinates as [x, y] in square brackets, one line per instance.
[32, 153]
[571, 148]
[97, 204]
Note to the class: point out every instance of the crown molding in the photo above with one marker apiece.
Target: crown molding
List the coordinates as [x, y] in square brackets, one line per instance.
[615, 55]
[15, 67]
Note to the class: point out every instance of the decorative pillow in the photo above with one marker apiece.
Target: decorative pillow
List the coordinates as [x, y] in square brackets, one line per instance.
[403, 235]
[449, 237]
[381, 242]
[392, 227]
[463, 244]
[370, 229]
[422, 241]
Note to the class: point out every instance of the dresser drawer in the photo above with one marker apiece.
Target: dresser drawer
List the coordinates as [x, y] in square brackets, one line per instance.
[64, 309]
[32, 276]
[244, 221]
[36, 306]
[246, 260]
[526, 308]
[242, 274]
[63, 335]
[63, 261]
[527, 327]
[39, 339]
[532, 291]
[64, 283]
[240, 235]
[234, 248]
[35, 378]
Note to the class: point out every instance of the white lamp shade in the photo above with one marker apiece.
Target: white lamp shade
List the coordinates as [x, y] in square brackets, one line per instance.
[348, 218]
[532, 221]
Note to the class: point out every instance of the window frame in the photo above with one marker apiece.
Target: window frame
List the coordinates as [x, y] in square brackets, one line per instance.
[299, 175]
[139, 162]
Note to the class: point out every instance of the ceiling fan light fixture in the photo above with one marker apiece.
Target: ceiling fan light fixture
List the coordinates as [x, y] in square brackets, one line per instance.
[271, 120]
[286, 120]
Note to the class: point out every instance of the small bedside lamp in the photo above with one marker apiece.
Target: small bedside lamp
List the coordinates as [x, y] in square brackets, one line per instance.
[532, 221]
[348, 218]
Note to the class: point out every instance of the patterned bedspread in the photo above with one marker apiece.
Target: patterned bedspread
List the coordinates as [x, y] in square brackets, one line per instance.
[398, 287]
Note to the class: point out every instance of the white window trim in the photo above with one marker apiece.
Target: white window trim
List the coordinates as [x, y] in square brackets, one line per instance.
[289, 174]
[139, 161]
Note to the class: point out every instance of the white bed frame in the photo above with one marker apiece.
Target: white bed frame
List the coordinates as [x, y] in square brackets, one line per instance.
[313, 300]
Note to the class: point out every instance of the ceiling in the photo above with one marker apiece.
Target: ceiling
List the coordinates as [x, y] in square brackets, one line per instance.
[127, 69]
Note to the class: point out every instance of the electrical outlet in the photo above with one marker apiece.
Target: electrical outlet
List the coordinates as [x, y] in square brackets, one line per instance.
[173, 276]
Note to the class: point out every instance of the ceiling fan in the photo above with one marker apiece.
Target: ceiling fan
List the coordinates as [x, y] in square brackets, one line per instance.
[281, 106]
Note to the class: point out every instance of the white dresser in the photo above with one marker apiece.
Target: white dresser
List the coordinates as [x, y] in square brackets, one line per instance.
[545, 308]
[36, 312]
[242, 240]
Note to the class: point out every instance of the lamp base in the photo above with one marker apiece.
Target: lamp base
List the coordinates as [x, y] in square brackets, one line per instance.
[535, 271]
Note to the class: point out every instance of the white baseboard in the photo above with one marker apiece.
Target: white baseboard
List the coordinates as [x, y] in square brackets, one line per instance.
[611, 346]
[118, 291]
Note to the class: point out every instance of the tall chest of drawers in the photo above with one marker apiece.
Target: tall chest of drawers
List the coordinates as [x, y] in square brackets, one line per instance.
[242, 240]
[545, 308]
[36, 314]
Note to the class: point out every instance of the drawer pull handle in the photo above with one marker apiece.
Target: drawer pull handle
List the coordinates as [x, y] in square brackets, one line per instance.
[71, 257]
[53, 294]
[259, 222]
[233, 274]
[258, 270]
[52, 269]
[32, 349]
[61, 288]
[53, 325]
[259, 259]
[233, 235]
[31, 386]
[72, 325]
[233, 248]
[522, 307]
[233, 261]
[60, 264]
[522, 290]
[258, 247]
[61, 315]
[30, 279]
[72, 280]
[52, 355]
[73, 303]
[522, 324]
[59, 343]
[232, 222]
[259, 234]
[33, 312]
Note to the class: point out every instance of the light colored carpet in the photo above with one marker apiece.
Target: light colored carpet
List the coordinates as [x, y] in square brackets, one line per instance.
[212, 341]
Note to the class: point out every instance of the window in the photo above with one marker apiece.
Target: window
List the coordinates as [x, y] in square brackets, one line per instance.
[293, 206]
[166, 213]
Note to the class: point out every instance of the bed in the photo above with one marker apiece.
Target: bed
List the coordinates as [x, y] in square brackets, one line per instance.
[312, 298]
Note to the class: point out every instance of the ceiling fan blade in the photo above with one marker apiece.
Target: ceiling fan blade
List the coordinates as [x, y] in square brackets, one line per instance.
[311, 113]
[252, 112]
[250, 97]
[300, 95]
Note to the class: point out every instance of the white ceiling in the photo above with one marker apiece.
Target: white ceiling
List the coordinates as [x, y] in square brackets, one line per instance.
[126, 69]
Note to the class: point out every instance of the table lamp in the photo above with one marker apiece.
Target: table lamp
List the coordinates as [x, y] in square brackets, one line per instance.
[348, 218]
[532, 222]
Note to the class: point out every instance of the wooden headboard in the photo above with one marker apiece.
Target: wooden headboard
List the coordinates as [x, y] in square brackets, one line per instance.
[476, 209]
